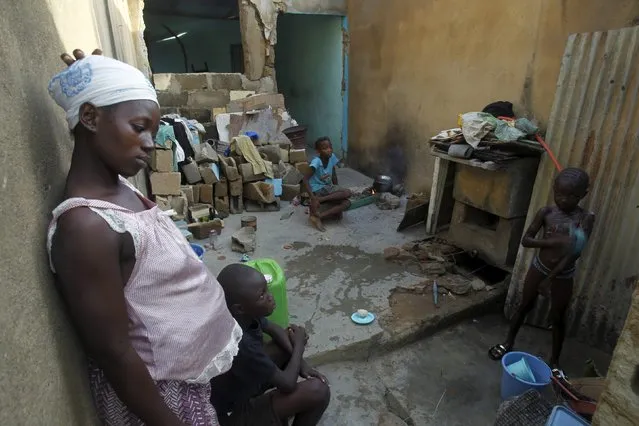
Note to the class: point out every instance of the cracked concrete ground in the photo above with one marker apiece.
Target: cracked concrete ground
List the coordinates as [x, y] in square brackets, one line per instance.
[329, 274]
[444, 380]
[332, 274]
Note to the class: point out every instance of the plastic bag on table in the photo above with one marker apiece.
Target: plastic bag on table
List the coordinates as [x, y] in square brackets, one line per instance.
[507, 132]
[476, 125]
[526, 126]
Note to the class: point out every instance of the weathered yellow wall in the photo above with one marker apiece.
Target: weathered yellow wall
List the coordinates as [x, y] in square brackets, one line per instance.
[619, 404]
[42, 371]
[416, 64]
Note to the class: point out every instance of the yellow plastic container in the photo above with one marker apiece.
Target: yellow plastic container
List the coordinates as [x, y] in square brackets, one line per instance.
[277, 286]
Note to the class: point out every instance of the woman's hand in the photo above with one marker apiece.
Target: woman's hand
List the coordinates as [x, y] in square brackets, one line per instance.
[78, 54]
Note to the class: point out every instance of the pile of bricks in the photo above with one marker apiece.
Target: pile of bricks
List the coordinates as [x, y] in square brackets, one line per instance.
[289, 167]
[213, 186]
[192, 193]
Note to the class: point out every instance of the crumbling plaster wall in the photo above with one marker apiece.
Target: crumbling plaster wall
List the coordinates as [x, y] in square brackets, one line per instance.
[619, 404]
[43, 374]
[416, 64]
[258, 24]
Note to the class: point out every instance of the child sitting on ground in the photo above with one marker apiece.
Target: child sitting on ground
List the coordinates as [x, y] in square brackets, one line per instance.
[567, 228]
[327, 198]
[239, 395]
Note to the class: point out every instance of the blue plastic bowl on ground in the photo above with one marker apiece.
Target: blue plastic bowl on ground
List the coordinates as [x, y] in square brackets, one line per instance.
[198, 249]
[512, 386]
[561, 416]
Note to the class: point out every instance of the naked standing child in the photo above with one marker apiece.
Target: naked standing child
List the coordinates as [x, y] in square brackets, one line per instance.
[566, 229]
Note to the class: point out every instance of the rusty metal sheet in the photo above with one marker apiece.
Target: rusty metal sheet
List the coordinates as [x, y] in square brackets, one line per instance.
[594, 125]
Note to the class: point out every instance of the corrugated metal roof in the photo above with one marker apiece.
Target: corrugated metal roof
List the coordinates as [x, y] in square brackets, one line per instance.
[594, 125]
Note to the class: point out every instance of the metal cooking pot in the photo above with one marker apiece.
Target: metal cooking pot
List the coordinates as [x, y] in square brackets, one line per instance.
[383, 183]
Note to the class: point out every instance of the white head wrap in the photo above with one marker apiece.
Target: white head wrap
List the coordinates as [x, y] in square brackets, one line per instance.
[100, 81]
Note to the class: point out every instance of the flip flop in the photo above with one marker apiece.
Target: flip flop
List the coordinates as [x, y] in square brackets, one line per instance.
[497, 352]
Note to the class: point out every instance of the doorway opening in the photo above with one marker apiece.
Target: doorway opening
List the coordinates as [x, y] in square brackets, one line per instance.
[312, 75]
[194, 36]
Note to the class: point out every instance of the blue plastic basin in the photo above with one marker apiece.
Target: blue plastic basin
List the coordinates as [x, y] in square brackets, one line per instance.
[513, 385]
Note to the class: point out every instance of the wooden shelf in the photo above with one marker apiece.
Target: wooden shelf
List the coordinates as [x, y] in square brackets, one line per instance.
[472, 163]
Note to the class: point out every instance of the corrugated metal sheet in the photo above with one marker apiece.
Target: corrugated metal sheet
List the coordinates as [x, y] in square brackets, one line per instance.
[594, 125]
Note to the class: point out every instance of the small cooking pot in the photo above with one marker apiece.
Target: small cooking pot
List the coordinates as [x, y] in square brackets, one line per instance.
[383, 183]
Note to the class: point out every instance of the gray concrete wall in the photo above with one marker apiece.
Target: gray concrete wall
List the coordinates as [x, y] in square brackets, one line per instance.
[42, 371]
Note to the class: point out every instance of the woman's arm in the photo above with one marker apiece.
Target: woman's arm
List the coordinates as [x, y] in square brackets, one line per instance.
[86, 255]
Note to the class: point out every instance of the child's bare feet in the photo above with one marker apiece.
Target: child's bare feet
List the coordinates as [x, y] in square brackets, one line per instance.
[317, 223]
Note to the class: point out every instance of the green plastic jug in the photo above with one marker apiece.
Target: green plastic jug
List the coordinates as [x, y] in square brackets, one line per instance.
[277, 287]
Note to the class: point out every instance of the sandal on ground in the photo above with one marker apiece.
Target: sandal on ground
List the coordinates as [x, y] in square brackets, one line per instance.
[497, 352]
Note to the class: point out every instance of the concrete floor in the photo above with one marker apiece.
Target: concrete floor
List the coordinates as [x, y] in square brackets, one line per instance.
[330, 274]
[334, 273]
[444, 380]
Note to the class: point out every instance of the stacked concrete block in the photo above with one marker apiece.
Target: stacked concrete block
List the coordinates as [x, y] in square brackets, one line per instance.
[190, 194]
[292, 175]
[207, 171]
[236, 204]
[299, 159]
[229, 168]
[191, 172]
[165, 183]
[289, 192]
[164, 178]
[206, 193]
[297, 156]
[260, 192]
[257, 102]
[490, 209]
[222, 188]
[234, 184]
[248, 175]
[272, 153]
[232, 199]
[222, 206]
[196, 95]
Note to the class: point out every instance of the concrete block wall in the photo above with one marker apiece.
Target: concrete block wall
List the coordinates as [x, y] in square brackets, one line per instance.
[195, 95]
